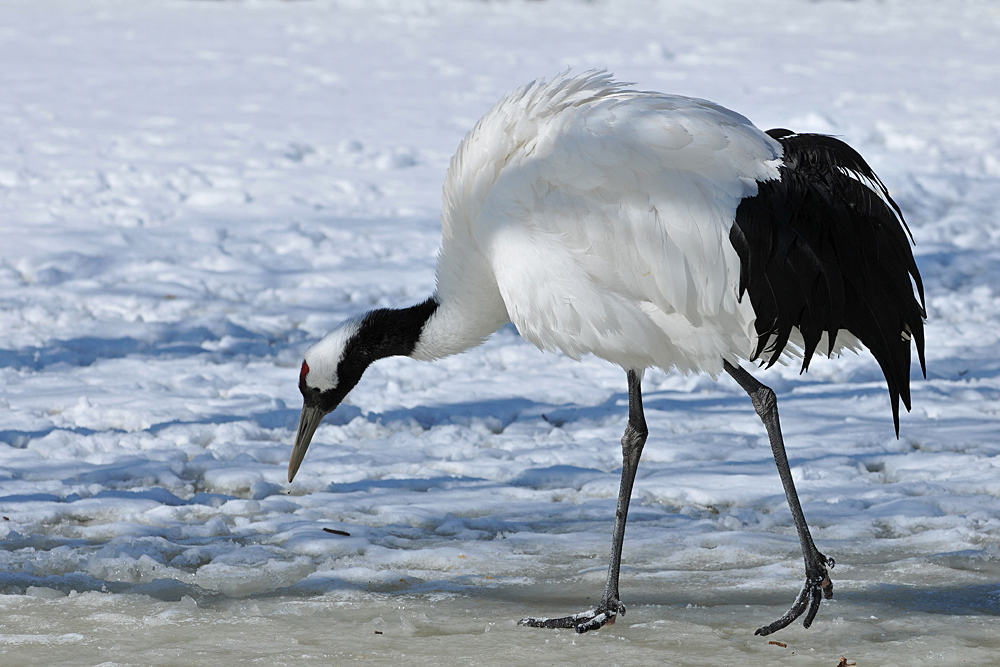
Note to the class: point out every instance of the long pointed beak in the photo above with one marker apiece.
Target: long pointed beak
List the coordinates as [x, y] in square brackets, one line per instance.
[308, 423]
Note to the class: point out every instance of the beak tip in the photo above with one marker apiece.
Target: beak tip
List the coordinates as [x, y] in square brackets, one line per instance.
[308, 423]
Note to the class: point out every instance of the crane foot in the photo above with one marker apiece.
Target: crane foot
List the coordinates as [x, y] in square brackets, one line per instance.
[605, 614]
[817, 587]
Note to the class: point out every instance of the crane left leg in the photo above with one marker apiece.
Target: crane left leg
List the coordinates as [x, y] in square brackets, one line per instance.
[632, 444]
[818, 584]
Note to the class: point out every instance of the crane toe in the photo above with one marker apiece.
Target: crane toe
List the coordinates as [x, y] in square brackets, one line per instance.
[605, 614]
[817, 587]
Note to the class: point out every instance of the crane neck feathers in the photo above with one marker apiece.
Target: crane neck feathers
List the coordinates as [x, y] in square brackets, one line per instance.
[339, 360]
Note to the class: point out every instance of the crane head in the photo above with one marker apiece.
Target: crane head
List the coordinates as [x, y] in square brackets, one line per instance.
[332, 367]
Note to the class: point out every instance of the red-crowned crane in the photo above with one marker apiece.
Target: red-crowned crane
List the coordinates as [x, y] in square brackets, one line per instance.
[651, 230]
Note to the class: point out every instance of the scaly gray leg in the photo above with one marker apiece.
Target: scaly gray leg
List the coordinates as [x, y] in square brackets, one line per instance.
[632, 443]
[818, 584]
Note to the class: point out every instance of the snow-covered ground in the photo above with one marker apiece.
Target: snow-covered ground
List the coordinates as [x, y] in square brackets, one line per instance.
[192, 192]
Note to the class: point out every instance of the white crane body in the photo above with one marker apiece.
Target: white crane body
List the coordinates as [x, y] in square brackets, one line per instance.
[651, 230]
[600, 219]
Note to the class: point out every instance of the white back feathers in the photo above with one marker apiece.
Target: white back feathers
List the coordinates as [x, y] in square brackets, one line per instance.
[598, 219]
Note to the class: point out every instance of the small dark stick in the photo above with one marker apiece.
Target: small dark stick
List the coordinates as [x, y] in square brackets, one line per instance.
[334, 531]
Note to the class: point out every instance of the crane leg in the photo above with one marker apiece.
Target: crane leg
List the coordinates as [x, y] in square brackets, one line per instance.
[818, 584]
[632, 443]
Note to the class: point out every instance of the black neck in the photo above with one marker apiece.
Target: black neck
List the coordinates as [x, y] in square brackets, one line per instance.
[388, 332]
[381, 333]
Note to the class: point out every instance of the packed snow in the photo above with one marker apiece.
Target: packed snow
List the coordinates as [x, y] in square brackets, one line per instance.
[192, 193]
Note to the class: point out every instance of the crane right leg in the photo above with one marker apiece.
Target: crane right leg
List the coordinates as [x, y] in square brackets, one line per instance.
[632, 443]
[818, 584]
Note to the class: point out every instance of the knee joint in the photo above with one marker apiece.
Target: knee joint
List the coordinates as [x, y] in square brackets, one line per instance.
[633, 438]
[764, 401]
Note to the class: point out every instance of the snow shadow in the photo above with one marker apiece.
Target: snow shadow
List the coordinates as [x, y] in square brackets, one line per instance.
[557, 477]
[505, 410]
[419, 485]
[968, 600]
[156, 494]
[54, 586]
[218, 340]
[19, 439]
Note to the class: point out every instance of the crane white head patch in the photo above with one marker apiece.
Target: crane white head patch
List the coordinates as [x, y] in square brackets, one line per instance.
[319, 370]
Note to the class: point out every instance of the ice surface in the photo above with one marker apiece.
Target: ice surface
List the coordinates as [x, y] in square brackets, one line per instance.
[192, 193]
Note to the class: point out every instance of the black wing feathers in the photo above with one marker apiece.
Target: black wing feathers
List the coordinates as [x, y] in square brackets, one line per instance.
[826, 248]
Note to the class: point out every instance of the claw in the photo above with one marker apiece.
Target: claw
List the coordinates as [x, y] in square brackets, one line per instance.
[816, 596]
[596, 622]
[817, 587]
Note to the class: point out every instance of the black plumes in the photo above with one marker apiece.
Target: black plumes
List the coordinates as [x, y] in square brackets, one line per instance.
[826, 248]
